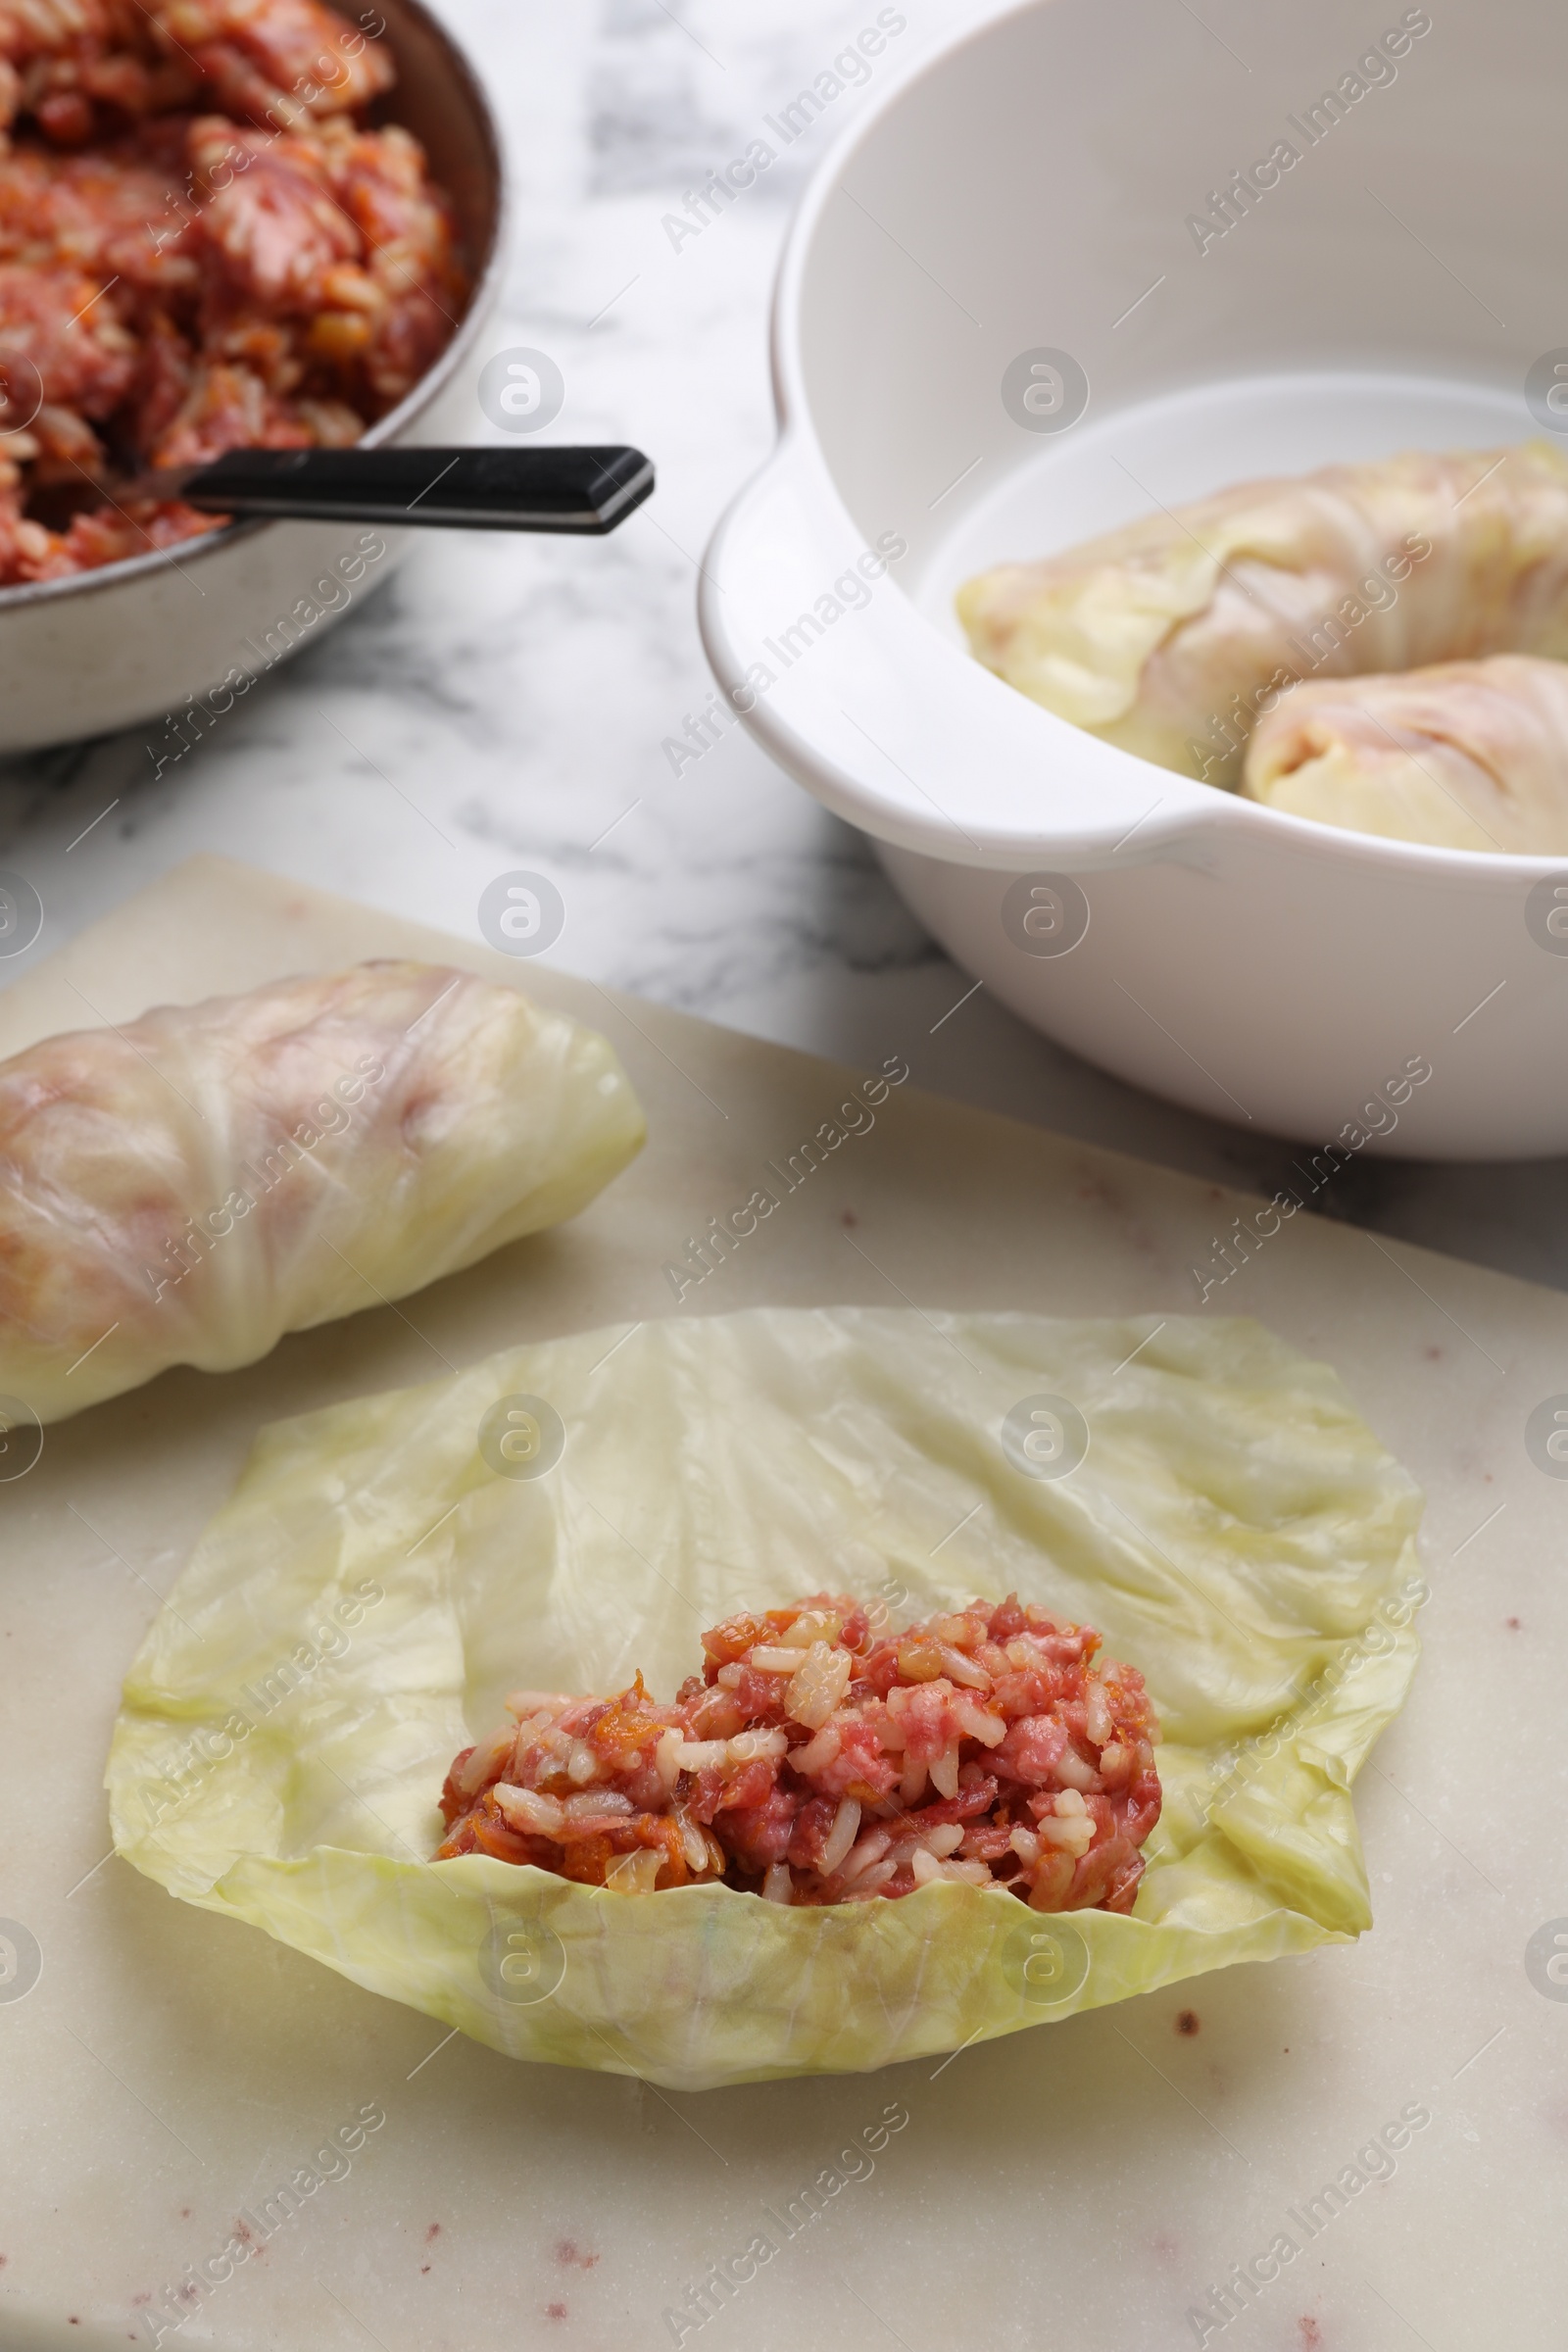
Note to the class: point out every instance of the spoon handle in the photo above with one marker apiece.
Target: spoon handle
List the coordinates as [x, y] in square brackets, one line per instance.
[589, 491]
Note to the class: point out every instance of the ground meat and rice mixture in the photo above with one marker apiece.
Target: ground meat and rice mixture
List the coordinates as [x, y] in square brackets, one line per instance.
[818, 1759]
[202, 246]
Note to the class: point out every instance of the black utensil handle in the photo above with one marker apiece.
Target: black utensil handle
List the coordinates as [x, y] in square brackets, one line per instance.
[581, 490]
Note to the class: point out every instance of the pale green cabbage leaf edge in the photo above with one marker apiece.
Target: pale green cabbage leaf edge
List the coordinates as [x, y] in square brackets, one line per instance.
[357, 1609]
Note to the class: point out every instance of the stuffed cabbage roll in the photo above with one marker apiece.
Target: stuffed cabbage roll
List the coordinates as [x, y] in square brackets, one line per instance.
[186, 1189]
[1173, 636]
[1469, 755]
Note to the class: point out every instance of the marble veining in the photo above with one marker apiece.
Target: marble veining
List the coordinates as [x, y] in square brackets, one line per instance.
[504, 702]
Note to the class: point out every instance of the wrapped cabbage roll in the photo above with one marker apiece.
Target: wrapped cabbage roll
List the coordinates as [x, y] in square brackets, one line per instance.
[186, 1189]
[1174, 636]
[1469, 755]
[381, 1580]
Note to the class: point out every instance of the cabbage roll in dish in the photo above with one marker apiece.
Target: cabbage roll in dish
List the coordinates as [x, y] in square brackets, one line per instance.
[1174, 636]
[187, 1189]
[1468, 756]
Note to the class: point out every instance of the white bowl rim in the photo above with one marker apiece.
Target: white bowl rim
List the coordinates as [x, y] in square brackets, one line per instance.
[186, 552]
[797, 445]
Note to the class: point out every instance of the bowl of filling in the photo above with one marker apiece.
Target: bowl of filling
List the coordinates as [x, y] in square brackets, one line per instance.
[223, 224]
[1165, 558]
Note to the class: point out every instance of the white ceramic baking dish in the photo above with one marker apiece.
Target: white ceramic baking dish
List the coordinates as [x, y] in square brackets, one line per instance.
[1034, 190]
[153, 637]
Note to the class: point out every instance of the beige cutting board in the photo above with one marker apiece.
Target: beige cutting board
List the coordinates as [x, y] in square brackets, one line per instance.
[1082, 2185]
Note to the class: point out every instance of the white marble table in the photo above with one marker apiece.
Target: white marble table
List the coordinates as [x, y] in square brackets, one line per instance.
[503, 703]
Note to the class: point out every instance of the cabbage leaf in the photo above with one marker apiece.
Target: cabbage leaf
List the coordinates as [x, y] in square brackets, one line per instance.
[385, 1572]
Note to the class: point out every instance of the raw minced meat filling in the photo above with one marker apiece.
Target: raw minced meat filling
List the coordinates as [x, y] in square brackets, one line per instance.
[202, 246]
[820, 1759]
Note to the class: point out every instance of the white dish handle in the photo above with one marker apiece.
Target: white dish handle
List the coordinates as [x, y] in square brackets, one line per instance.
[829, 665]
